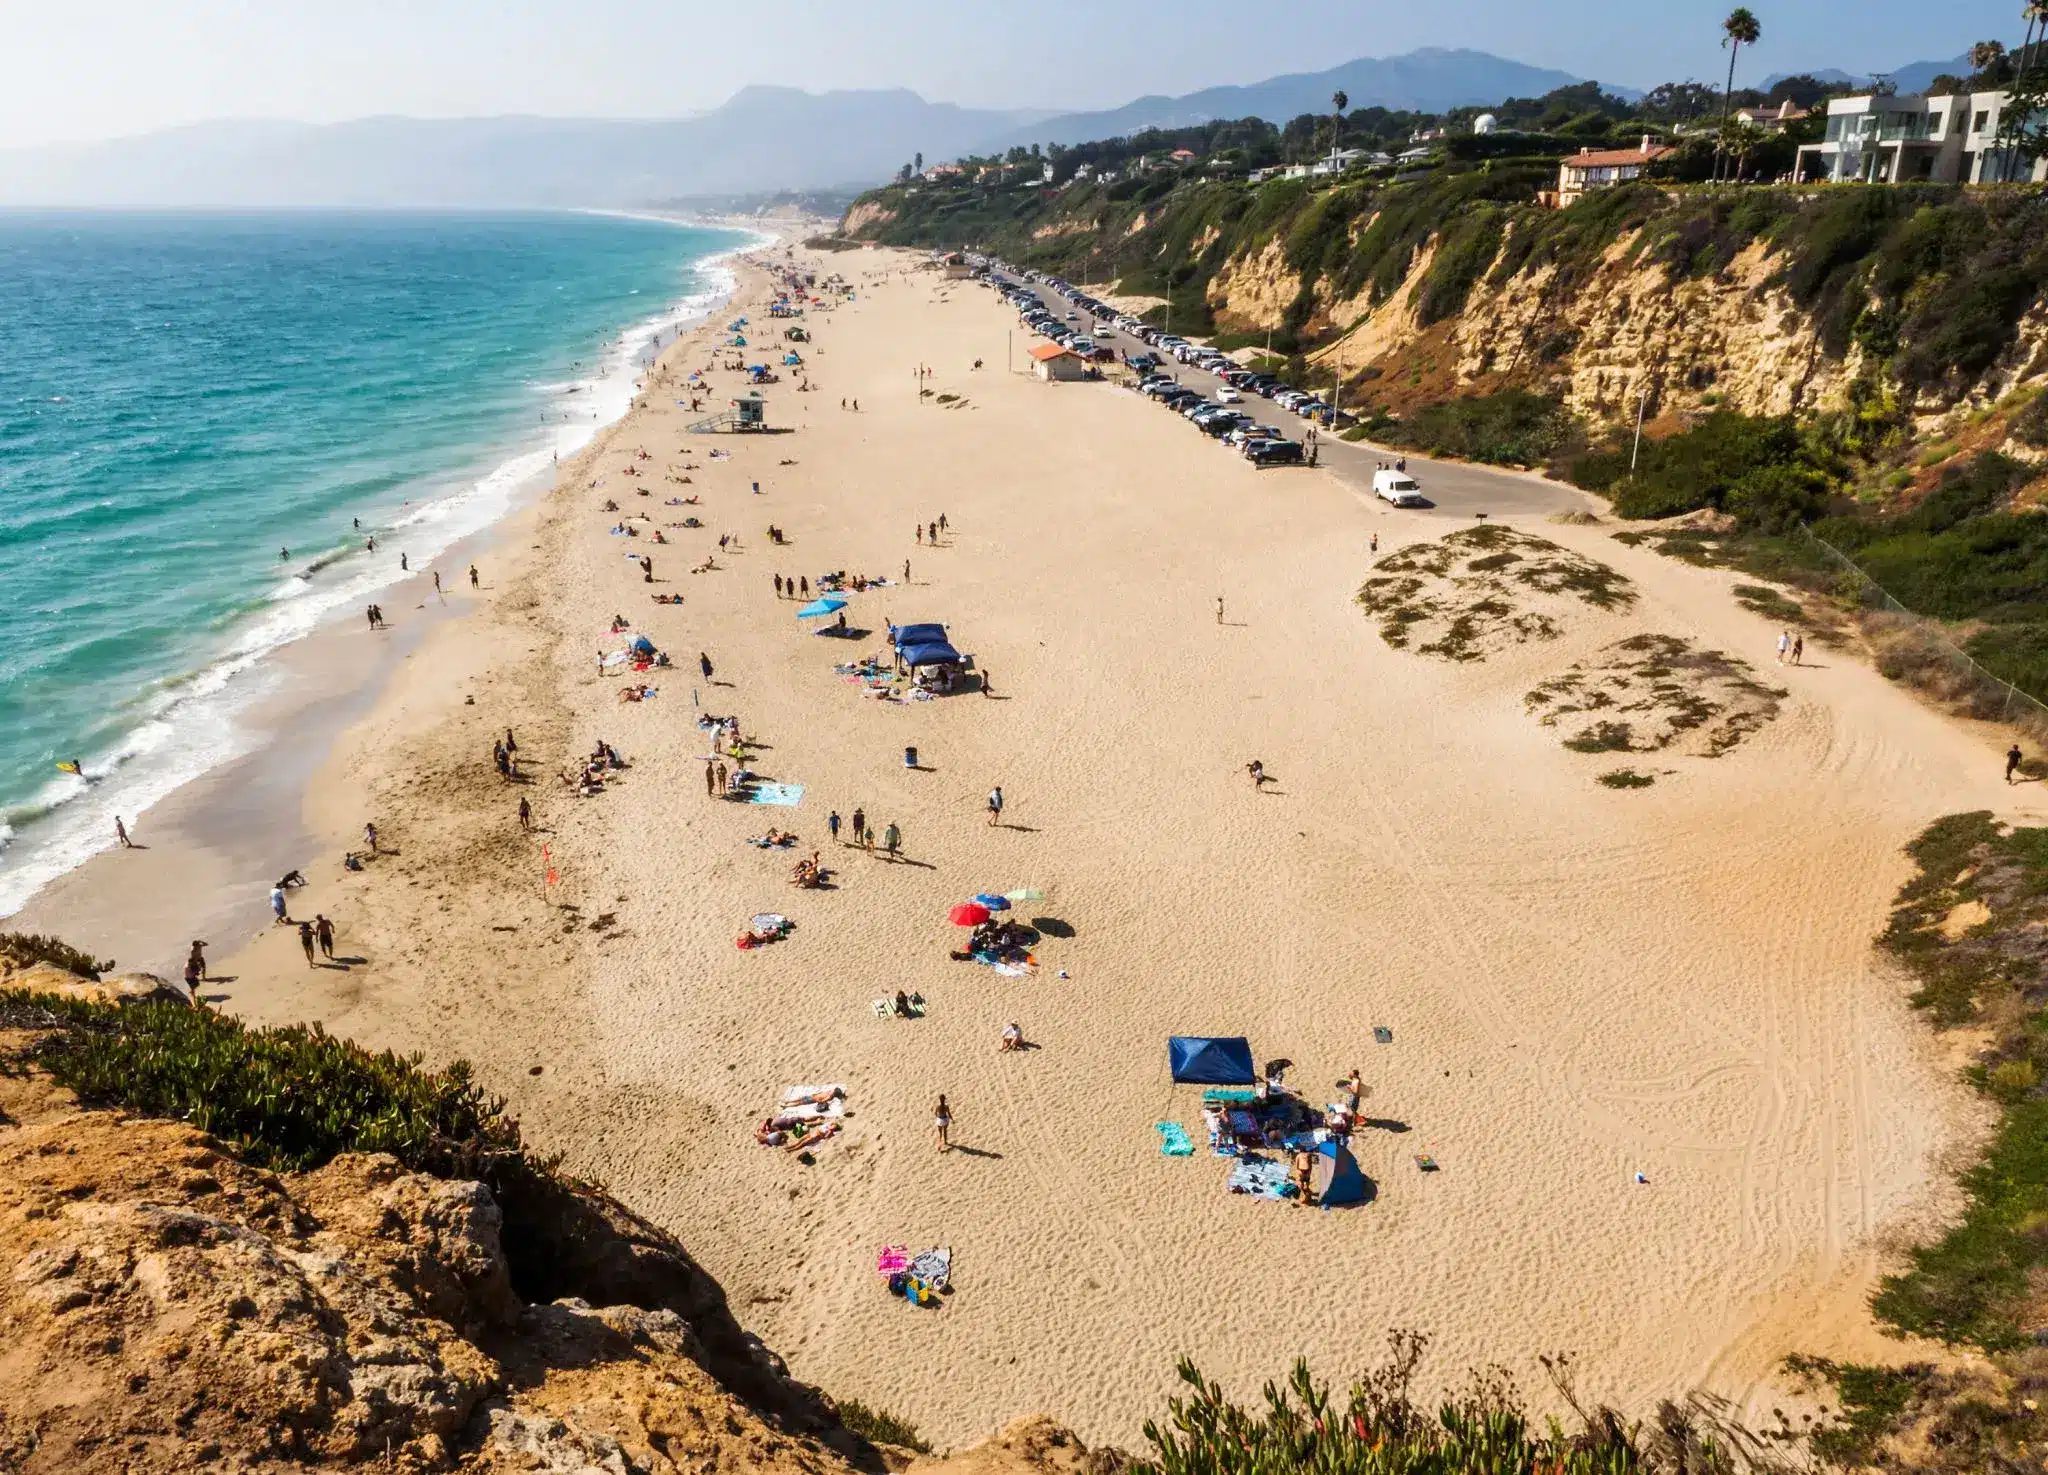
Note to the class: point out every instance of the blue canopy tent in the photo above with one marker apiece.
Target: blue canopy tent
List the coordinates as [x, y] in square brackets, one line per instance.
[642, 646]
[1211, 1060]
[907, 635]
[1337, 1180]
[931, 653]
[831, 604]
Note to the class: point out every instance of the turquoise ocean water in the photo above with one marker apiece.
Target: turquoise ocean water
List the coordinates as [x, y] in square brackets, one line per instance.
[184, 396]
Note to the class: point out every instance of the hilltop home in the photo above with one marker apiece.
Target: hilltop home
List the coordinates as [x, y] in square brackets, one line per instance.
[1593, 169]
[1875, 139]
[1770, 120]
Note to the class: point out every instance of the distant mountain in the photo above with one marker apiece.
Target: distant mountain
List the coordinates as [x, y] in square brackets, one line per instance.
[1430, 80]
[1914, 76]
[764, 138]
[761, 140]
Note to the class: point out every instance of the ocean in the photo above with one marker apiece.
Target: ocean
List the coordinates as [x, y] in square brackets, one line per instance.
[204, 421]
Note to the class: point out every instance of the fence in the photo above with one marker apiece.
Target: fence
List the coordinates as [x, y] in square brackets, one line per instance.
[1914, 648]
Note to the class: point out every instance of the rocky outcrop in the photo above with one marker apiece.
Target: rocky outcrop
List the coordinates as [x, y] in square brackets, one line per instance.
[863, 218]
[165, 1306]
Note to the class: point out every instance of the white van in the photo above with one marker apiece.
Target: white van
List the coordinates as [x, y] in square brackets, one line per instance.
[1397, 487]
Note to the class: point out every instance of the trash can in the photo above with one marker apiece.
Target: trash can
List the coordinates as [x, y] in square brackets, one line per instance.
[910, 757]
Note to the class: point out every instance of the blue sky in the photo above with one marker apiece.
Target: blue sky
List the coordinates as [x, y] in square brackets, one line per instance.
[125, 66]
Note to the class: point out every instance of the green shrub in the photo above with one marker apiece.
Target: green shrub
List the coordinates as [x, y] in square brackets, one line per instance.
[879, 1427]
[1754, 468]
[1512, 428]
[29, 948]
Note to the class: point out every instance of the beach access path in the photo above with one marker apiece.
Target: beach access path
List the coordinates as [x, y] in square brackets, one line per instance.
[1581, 984]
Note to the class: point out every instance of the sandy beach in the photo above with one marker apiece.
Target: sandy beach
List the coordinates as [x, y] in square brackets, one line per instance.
[1678, 1112]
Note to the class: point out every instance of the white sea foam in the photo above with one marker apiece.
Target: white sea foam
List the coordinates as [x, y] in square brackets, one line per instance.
[196, 721]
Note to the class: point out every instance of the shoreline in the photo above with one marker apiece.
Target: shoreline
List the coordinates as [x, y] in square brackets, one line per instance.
[287, 693]
[1595, 967]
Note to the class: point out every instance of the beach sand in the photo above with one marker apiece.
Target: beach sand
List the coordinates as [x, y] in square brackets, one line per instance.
[1581, 984]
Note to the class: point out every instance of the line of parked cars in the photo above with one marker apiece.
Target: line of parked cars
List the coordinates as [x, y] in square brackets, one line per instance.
[1090, 336]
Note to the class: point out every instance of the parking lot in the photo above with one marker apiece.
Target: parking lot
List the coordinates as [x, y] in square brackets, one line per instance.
[1453, 489]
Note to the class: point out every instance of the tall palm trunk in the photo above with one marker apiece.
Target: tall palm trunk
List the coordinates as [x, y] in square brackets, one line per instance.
[1727, 106]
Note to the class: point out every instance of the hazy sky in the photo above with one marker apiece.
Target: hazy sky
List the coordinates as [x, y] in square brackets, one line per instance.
[111, 67]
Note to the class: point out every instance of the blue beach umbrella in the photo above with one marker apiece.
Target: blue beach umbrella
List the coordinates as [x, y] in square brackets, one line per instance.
[831, 604]
[993, 902]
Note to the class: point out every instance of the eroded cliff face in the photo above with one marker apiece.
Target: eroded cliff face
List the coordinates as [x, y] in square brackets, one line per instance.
[863, 218]
[1631, 329]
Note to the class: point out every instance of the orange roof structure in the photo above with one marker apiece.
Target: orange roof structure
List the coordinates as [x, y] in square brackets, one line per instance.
[1046, 351]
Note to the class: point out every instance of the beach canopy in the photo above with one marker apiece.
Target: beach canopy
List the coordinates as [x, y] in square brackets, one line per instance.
[934, 653]
[1337, 1178]
[968, 914]
[993, 902]
[831, 604]
[907, 635]
[642, 645]
[1211, 1060]
[1024, 893]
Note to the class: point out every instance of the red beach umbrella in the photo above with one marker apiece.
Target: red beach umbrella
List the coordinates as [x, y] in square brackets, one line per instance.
[969, 914]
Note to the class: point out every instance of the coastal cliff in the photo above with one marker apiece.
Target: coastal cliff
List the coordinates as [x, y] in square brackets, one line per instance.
[171, 1304]
[1763, 301]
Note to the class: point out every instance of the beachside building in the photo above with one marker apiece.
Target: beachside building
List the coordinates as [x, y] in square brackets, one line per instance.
[1595, 169]
[1183, 156]
[1875, 139]
[1054, 364]
[1771, 120]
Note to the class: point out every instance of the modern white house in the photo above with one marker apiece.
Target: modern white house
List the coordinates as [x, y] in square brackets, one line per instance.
[1874, 139]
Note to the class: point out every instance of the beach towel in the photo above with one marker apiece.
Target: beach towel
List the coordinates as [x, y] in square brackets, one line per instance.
[1425, 1162]
[1382, 1034]
[787, 795]
[892, 1260]
[1173, 1140]
[1261, 1178]
[1230, 1093]
[934, 1267]
[796, 1095]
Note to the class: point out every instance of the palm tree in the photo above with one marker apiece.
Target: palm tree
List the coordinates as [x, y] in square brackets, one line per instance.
[1340, 100]
[1986, 54]
[1739, 30]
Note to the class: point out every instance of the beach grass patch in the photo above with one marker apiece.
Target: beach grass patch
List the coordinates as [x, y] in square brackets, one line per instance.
[1651, 692]
[1483, 589]
[1768, 602]
[878, 1426]
[1984, 1282]
[1626, 778]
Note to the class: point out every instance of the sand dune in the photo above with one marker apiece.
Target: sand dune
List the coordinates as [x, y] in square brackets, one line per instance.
[1581, 983]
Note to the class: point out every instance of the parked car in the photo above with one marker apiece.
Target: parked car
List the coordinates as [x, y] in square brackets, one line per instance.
[1228, 396]
[1399, 488]
[1264, 453]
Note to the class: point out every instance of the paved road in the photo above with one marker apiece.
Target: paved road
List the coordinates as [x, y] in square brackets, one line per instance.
[1456, 490]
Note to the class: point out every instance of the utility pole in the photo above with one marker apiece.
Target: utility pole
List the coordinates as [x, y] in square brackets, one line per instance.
[1636, 449]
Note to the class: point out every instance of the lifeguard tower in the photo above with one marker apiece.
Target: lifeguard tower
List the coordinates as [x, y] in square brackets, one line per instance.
[746, 413]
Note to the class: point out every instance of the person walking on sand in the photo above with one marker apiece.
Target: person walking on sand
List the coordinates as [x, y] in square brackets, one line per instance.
[525, 816]
[832, 824]
[704, 665]
[473, 578]
[778, 586]
[892, 840]
[195, 968]
[2012, 762]
[942, 522]
[1375, 542]
[988, 687]
[1798, 649]
[942, 1122]
[121, 834]
[306, 942]
[1784, 644]
[403, 566]
[1219, 609]
[1258, 772]
[995, 804]
[918, 533]
[324, 930]
[906, 571]
[277, 901]
[860, 826]
[370, 838]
